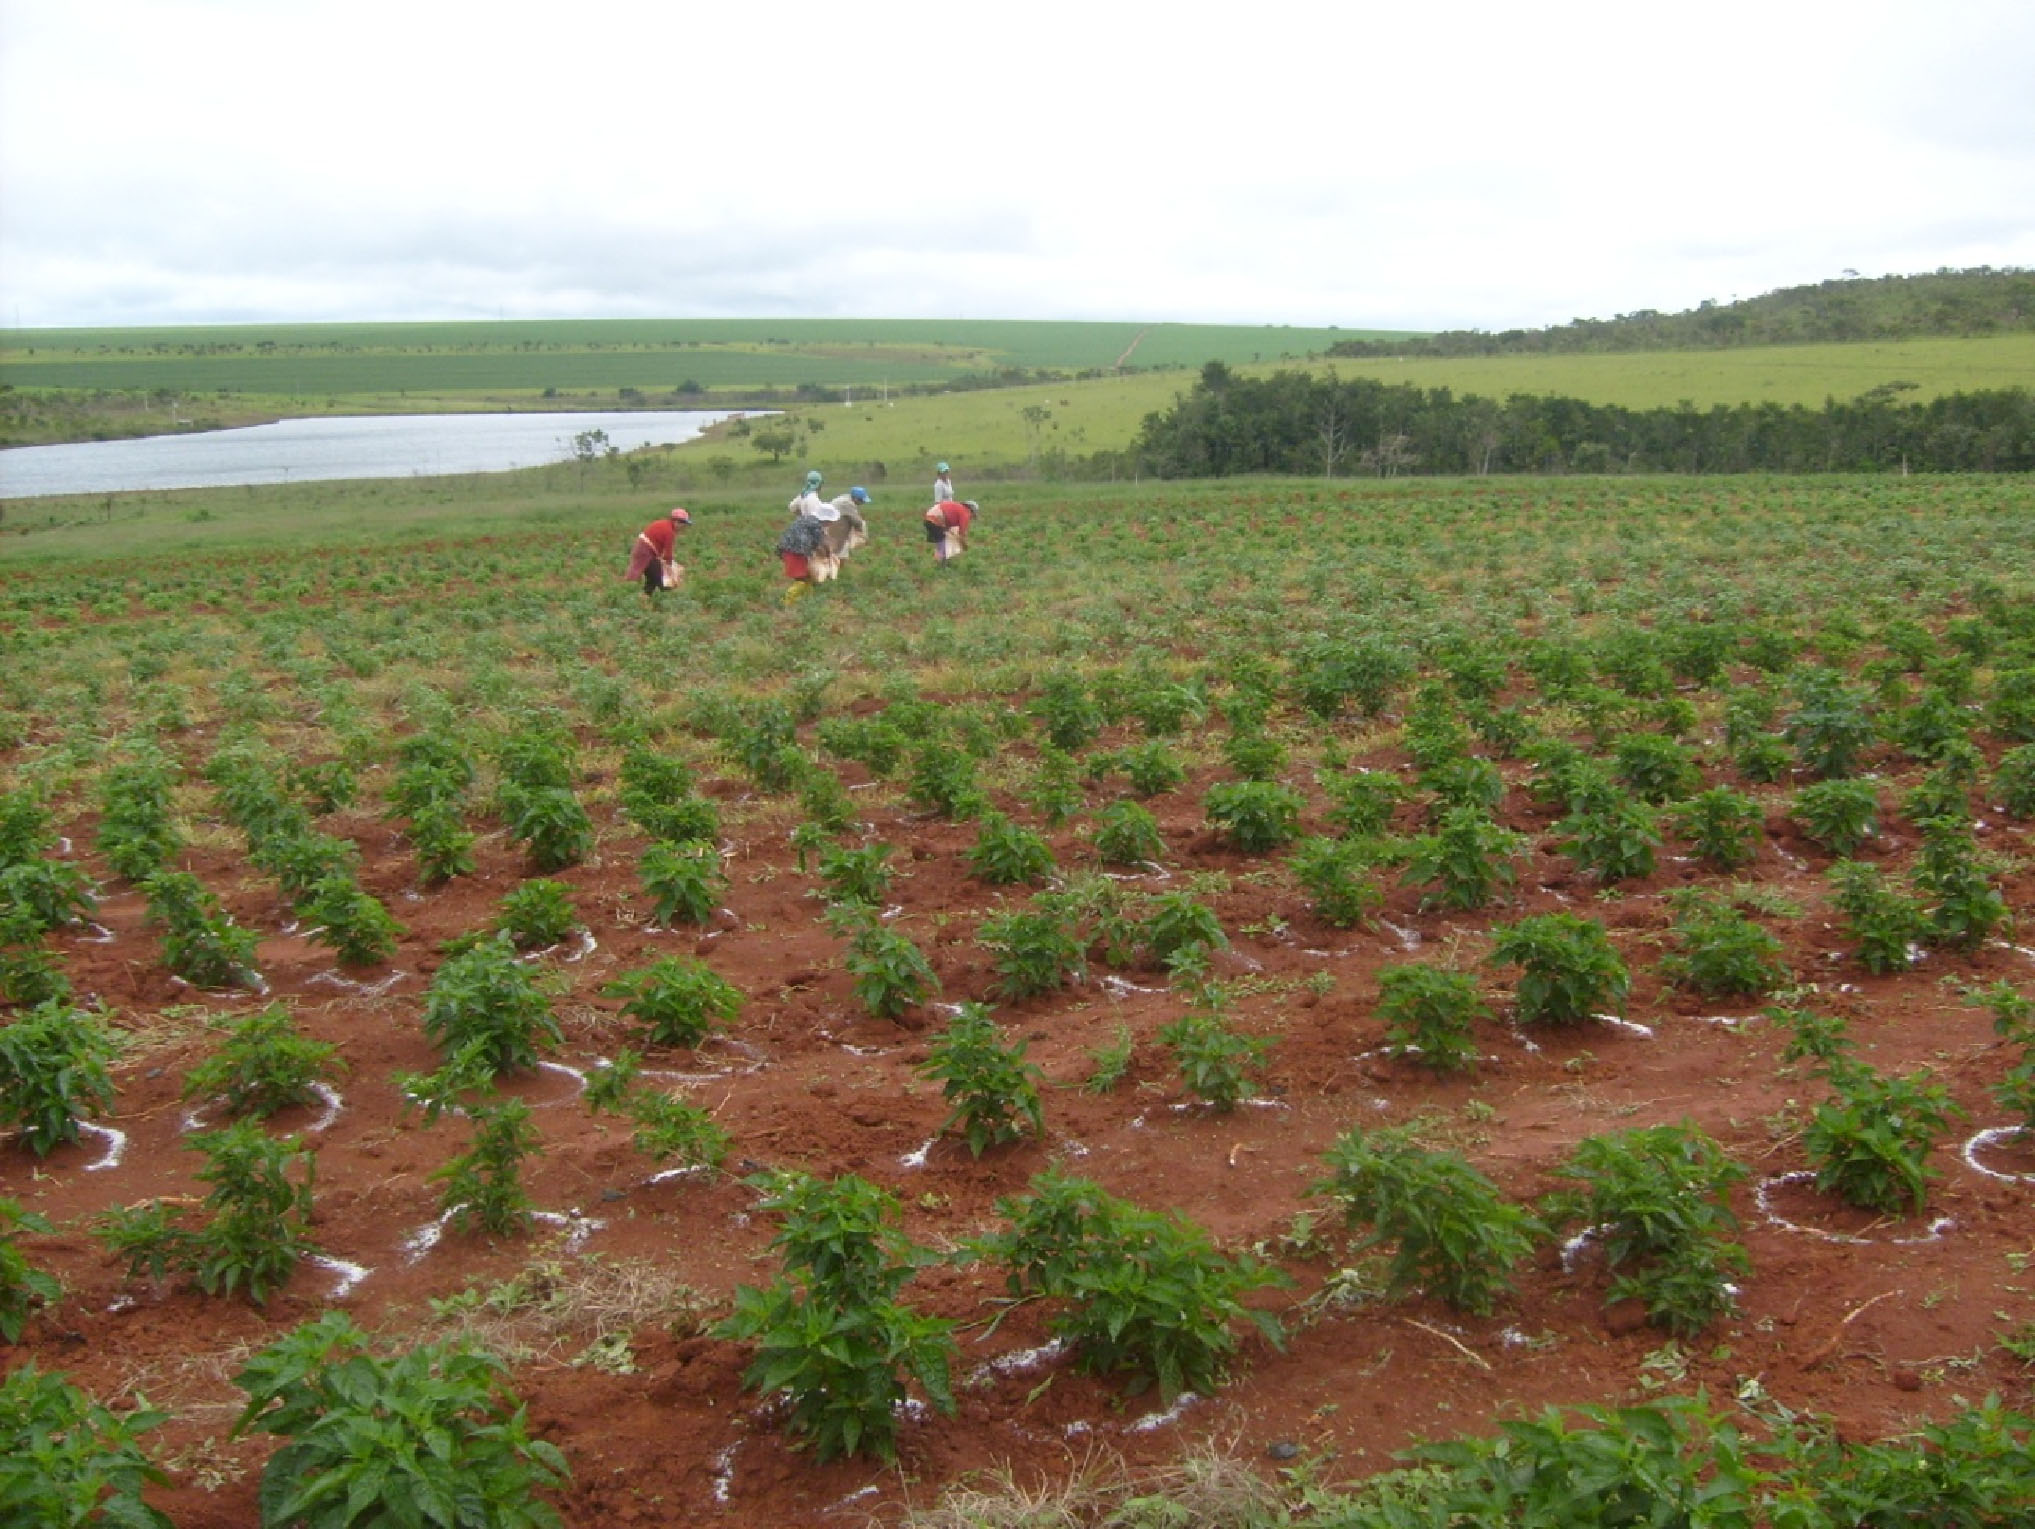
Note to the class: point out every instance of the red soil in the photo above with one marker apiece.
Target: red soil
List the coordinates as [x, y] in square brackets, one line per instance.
[1885, 1326]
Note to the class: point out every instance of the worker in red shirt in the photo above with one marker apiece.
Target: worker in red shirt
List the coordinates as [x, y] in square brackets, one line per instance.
[654, 559]
[947, 526]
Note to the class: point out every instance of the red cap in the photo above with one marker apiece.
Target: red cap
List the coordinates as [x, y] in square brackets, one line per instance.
[678, 514]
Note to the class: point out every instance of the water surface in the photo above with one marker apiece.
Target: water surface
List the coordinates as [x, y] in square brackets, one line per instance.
[304, 450]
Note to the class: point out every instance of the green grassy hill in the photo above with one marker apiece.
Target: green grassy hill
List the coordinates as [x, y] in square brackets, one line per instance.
[1946, 303]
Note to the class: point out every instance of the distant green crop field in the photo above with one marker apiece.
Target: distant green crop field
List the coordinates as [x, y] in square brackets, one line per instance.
[990, 430]
[1782, 374]
[651, 355]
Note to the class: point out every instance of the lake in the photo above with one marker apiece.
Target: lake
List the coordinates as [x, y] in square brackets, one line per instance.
[304, 450]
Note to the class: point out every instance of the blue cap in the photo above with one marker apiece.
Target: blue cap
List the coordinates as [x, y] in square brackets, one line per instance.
[859, 495]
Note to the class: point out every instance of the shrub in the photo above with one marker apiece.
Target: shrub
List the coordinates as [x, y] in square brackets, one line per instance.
[485, 997]
[1034, 953]
[329, 785]
[1887, 925]
[891, 973]
[1067, 712]
[1748, 715]
[1127, 834]
[201, 943]
[264, 1065]
[1763, 760]
[1566, 777]
[831, 1334]
[1006, 853]
[1829, 727]
[678, 1001]
[668, 1126]
[25, 832]
[354, 922]
[432, 1435]
[648, 776]
[1054, 791]
[1825, 1037]
[1433, 732]
[550, 822]
[537, 914]
[1944, 793]
[825, 801]
[1254, 815]
[943, 779]
[1175, 921]
[1140, 1291]
[484, 1185]
[1839, 815]
[1870, 1144]
[1336, 874]
[857, 875]
[53, 1073]
[1100, 915]
[870, 741]
[66, 1460]
[1253, 754]
[434, 771]
[1723, 826]
[302, 861]
[1152, 768]
[1721, 953]
[1429, 1013]
[1465, 862]
[136, 833]
[1455, 1237]
[1700, 651]
[258, 1223]
[1656, 767]
[23, 1287]
[2014, 782]
[1164, 709]
[40, 895]
[1657, 1195]
[1465, 782]
[1977, 1469]
[1934, 727]
[443, 843]
[1964, 907]
[993, 1089]
[1569, 968]
[1216, 1063]
[685, 881]
[1670, 1462]
[1362, 801]
[1615, 842]
[28, 974]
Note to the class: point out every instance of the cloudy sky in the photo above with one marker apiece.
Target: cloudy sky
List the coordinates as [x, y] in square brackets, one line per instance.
[1468, 164]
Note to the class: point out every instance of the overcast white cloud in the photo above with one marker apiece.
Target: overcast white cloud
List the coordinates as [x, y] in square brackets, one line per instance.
[1474, 164]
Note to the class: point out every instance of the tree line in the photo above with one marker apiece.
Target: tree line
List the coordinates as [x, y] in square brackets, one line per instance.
[1947, 303]
[1297, 423]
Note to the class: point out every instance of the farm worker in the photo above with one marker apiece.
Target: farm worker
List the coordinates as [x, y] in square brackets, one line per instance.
[652, 559]
[943, 485]
[947, 527]
[848, 530]
[804, 550]
[809, 502]
[808, 555]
